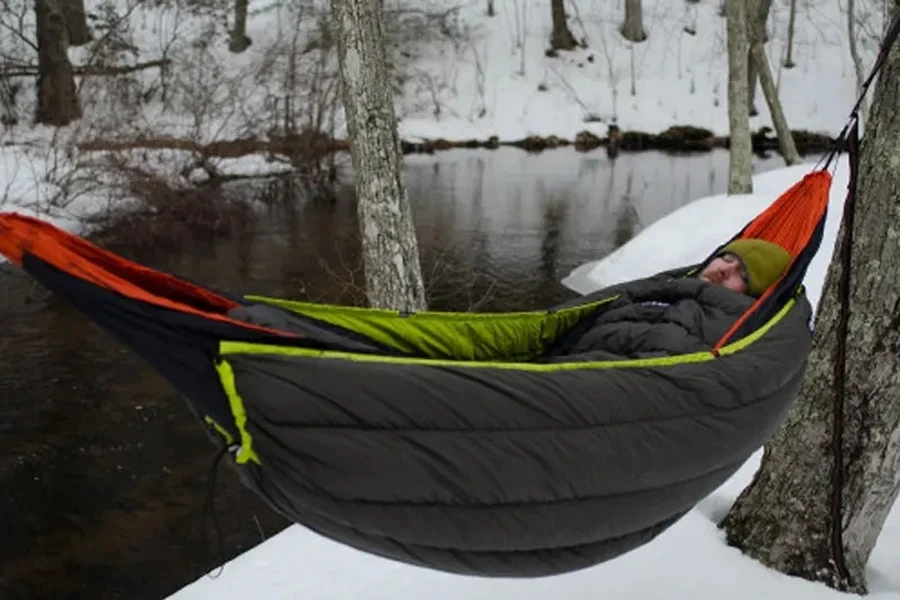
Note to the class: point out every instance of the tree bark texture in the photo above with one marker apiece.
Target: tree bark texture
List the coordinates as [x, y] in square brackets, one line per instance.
[757, 15]
[779, 121]
[76, 22]
[239, 40]
[740, 147]
[58, 102]
[561, 37]
[633, 27]
[390, 249]
[786, 517]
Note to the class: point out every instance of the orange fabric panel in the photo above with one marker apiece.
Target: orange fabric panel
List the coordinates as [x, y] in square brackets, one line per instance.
[76, 256]
[790, 221]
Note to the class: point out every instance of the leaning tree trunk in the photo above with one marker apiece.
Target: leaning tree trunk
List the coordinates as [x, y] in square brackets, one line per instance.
[561, 37]
[740, 147]
[798, 516]
[390, 250]
[785, 137]
[757, 15]
[239, 40]
[76, 22]
[58, 102]
[633, 27]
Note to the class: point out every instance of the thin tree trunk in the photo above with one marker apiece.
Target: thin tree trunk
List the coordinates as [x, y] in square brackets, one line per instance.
[633, 27]
[561, 37]
[785, 137]
[490, 8]
[76, 22]
[789, 57]
[390, 249]
[239, 40]
[757, 14]
[741, 149]
[854, 53]
[790, 517]
[58, 102]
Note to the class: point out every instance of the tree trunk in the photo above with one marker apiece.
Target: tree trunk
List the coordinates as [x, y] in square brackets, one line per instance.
[854, 54]
[633, 27]
[76, 22]
[561, 37]
[789, 57]
[785, 137]
[786, 517]
[739, 164]
[58, 102]
[390, 249]
[239, 40]
[490, 8]
[757, 14]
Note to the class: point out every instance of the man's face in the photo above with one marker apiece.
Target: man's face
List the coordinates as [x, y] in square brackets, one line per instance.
[726, 270]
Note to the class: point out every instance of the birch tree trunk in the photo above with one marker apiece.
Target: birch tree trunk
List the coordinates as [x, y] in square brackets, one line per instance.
[791, 517]
[740, 147]
[633, 27]
[561, 37]
[390, 250]
[785, 137]
[58, 102]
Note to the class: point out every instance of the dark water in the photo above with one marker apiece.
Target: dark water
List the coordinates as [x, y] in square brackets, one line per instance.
[102, 466]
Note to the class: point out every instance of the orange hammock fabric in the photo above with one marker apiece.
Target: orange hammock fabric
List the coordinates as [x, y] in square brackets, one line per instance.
[20, 235]
[790, 222]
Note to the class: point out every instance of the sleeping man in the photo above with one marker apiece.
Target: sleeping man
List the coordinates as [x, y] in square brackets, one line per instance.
[665, 315]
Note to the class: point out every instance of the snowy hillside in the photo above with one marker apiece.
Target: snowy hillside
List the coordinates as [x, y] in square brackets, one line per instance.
[676, 77]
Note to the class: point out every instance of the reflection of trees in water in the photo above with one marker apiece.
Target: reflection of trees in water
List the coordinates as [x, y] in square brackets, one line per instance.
[454, 255]
[554, 211]
[627, 218]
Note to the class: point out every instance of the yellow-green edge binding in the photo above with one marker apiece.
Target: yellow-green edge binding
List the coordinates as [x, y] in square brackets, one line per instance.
[246, 452]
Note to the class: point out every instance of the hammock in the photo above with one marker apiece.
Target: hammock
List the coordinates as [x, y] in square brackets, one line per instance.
[465, 442]
[443, 439]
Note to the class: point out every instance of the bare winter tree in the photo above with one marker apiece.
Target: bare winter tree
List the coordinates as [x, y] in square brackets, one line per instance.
[58, 102]
[239, 40]
[759, 67]
[740, 147]
[561, 37]
[789, 56]
[633, 27]
[757, 15]
[831, 474]
[389, 245]
[76, 22]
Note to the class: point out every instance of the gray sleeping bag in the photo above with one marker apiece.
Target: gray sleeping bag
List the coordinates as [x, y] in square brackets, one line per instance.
[517, 469]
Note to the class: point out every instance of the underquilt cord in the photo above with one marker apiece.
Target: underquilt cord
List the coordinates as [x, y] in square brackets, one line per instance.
[210, 509]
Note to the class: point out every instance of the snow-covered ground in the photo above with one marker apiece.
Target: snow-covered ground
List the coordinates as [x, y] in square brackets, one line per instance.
[691, 561]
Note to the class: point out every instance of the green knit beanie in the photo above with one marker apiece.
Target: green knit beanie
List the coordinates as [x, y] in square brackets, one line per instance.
[763, 261]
